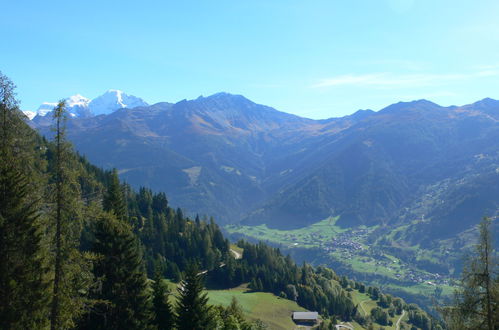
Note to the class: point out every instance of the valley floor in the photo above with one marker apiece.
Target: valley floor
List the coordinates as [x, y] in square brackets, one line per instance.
[351, 253]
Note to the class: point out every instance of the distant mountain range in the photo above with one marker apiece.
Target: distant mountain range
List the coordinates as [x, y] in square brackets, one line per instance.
[226, 156]
[80, 106]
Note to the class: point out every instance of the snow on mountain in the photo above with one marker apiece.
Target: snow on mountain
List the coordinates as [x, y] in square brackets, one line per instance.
[77, 100]
[77, 106]
[80, 106]
[45, 108]
[30, 114]
[114, 100]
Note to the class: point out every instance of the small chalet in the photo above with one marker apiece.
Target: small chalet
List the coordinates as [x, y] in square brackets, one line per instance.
[305, 317]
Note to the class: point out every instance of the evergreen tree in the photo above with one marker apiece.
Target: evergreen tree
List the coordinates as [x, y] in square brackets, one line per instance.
[236, 311]
[113, 200]
[123, 293]
[192, 309]
[476, 304]
[162, 308]
[72, 275]
[24, 291]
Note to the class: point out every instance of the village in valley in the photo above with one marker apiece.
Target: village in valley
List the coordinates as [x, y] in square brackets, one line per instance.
[353, 245]
[349, 245]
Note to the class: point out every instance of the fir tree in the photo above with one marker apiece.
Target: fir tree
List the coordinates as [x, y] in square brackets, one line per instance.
[163, 310]
[192, 309]
[125, 301]
[113, 200]
[236, 311]
[24, 291]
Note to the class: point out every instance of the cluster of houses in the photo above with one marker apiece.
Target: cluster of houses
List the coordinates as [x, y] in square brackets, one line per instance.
[421, 277]
[347, 243]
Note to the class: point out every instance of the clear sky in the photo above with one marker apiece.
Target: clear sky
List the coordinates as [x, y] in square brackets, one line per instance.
[316, 59]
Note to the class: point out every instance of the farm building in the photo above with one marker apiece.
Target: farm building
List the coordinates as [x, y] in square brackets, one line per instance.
[305, 317]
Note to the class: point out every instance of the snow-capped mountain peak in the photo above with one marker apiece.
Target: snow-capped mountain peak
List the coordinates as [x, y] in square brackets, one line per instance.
[113, 100]
[77, 100]
[45, 108]
[29, 114]
[80, 106]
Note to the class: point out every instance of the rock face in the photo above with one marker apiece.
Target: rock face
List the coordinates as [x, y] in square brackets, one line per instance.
[226, 156]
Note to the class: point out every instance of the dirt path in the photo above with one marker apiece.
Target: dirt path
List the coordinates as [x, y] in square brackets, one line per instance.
[362, 307]
[400, 319]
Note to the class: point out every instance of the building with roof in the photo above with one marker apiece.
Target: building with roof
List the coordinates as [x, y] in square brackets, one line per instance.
[305, 317]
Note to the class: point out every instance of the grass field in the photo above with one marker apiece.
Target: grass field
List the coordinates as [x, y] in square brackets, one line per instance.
[272, 310]
[275, 311]
[365, 303]
[423, 289]
[308, 237]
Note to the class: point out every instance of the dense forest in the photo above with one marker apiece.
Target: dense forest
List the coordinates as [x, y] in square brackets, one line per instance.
[80, 249]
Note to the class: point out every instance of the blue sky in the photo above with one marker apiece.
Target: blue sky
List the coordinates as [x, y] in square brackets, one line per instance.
[316, 59]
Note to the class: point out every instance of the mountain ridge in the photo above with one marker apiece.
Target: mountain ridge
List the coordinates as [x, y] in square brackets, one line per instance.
[80, 106]
[225, 155]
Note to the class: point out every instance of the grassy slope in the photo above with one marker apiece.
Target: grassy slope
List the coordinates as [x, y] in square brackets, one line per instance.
[274, 311]
[366, 305]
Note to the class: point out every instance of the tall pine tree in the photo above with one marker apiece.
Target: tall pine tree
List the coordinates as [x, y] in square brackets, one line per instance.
[192, 305]
[24, 293]
[72, 276]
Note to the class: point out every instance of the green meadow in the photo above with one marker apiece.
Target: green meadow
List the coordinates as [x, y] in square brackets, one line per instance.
[272, 310]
